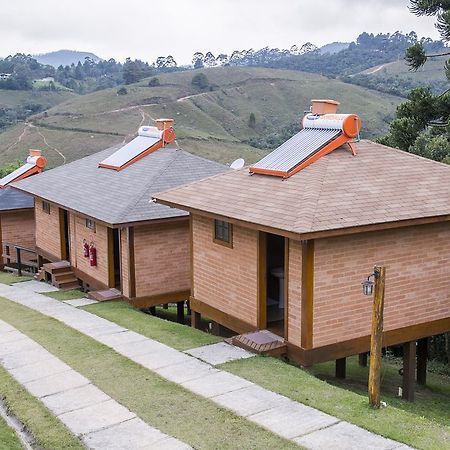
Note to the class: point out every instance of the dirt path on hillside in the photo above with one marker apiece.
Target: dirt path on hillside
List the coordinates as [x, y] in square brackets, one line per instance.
[182, 99]
[50, 146]
[22, 135]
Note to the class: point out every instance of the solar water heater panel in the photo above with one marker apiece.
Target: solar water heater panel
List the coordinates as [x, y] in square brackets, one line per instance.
[16, 174]
[297, 149]
[130, 151]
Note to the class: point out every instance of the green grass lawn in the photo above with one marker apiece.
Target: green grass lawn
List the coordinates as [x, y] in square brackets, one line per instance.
[66, 295]
[10, 278]
[8, 437]
[162, 404]
[48, 432]
[175, 335]
[423, 424]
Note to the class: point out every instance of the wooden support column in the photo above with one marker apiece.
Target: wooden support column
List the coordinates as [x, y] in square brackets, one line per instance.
[152, 310]
[340, 368]
[362, 359]
[376, 338]
[422, 353]
[307, 302]
[180, 312]
[195, 319]
[409, 370]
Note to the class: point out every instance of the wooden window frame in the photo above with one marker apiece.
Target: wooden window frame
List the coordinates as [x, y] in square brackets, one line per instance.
[46, 207]
[90, 224]
[227, 243]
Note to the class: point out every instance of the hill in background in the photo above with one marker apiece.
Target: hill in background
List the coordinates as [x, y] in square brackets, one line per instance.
[65, 57]
[213, 122]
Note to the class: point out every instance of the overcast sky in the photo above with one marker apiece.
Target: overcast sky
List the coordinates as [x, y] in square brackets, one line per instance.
[148, 29]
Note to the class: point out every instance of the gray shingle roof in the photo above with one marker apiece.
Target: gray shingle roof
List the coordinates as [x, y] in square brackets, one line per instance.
[120, 197]
[10, 199]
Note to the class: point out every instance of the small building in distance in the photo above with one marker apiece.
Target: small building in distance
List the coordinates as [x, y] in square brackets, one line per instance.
[284, 245]
[96, 221]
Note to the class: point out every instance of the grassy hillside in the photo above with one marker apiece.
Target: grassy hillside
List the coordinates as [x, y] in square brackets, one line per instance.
[11, 99]
[212, 123]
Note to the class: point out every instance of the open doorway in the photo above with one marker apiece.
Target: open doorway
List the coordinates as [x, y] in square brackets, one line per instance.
[116, 258]
[275, 286]
[65, 236]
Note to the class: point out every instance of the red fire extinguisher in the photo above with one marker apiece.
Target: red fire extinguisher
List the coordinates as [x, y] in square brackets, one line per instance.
[85, 248]
[92, 255]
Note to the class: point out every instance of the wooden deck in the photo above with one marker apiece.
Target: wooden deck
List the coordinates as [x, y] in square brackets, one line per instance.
[263, 341]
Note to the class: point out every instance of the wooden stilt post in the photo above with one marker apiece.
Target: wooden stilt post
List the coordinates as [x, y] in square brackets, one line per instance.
[377, 337]
[340, 368]
[362, 359]
[195, 319]
[409, 370]
[180, 312]
[152, 310]
[166, 306]
[422, 353]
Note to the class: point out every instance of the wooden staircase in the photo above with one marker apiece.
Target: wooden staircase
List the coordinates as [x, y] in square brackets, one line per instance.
[60, 275]
[261, 342]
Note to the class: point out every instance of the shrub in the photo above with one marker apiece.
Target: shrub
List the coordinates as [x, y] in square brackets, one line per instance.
[122, 91]
[154, 82]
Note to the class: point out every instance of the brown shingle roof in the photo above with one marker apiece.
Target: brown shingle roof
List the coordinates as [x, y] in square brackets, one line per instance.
[379, 185]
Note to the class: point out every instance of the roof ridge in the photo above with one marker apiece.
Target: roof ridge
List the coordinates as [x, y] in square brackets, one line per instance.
[147, 187]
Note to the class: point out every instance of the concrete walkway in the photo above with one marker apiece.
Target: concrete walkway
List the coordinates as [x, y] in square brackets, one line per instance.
[88, 412]
[301, 424]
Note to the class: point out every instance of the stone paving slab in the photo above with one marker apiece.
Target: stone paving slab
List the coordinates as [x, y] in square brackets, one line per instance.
[124, 337]
[216, 384]
[56, 383]
[293, 419]
[145, 346]
[5, 327]
[17, 346]
[251, 400]
[77, 302]
[132, 434]
[345, 436]
[36, 286]
[219, 353]
[96, 417]
[158, 360]
[11, 336]
[75, 398]
[40, 369]
[186, 371]
[24, 358]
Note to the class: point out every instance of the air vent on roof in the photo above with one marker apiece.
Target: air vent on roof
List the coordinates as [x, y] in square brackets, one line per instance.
[149, 139]
[35, 163]
[320, 135]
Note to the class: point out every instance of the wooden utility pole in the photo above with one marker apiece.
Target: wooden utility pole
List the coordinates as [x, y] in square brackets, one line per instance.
[377, 338]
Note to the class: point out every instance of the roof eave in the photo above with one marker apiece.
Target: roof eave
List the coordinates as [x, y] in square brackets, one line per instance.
[307, 235]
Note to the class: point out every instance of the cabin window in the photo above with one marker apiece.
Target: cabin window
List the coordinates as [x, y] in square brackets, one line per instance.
[46, 207]
[90, 224]
[223, 232]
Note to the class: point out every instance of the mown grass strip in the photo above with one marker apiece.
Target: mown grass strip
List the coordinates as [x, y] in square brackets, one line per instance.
[173, 334]
[8, 437]
[66, 295]
[416, 424]
[48, 432]
[10, 278]
[162, 404]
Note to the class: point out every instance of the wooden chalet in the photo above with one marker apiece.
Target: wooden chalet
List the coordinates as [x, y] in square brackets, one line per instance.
[97, 225]
[284, 245]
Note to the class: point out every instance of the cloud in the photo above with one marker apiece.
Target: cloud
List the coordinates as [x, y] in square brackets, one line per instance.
[145, 30]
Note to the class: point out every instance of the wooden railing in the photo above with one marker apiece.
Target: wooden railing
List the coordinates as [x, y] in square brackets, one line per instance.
[33, 264]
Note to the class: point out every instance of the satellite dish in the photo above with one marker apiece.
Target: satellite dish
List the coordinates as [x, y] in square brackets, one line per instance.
[238, 164]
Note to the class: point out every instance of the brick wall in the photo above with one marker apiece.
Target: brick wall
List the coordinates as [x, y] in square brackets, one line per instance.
[226, 278]
[417, 261]
[18, 228]
[47, 229]
[162, 260]
[294, 292]
[79, 232]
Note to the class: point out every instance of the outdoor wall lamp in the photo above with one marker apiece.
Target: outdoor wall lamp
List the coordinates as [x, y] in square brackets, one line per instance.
[368, 285]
